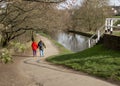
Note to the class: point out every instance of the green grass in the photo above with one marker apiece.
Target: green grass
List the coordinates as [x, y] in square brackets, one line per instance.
[116, 33]
[116, 17]
[96, 61]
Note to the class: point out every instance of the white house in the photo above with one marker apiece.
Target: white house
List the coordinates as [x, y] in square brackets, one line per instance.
[116, 10]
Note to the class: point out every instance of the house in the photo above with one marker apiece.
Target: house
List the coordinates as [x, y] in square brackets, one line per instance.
[116, 10]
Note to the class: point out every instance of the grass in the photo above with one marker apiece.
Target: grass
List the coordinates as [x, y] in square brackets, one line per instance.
[116, 17]
[116, 33]
[97, 61]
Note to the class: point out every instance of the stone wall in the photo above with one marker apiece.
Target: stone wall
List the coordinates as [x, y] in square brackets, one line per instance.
[111, 42]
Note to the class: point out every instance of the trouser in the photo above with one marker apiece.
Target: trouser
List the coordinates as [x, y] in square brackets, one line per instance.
[34, 52]
[41, 52]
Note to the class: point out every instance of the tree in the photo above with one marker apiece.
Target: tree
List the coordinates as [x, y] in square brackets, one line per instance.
[20, 17]
[46, 1]
[12, 20]
[90, 15]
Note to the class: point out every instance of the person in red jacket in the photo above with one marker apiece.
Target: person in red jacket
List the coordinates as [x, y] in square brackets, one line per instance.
[34, 47]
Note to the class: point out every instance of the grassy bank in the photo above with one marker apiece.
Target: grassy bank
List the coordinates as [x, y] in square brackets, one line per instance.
[96, 61]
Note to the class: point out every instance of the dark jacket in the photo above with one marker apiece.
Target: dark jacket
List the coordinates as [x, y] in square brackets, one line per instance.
[41, 45]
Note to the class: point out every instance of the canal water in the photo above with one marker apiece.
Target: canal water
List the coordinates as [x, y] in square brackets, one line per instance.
[73, 42]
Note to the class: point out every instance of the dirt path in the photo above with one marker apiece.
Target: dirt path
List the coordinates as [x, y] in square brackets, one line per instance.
[42, 73]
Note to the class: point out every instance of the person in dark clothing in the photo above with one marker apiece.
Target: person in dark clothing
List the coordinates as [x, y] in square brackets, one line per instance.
[41, 47]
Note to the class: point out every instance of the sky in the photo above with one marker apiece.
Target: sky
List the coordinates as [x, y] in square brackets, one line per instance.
[115, 2]
[73, 3]
[69, 3]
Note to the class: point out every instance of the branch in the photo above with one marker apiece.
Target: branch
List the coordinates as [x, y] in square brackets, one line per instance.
[17, 35]
[5, 15]
[22, 9]
[21, 32]
[17, 30]
[18, 22]
[46, 1]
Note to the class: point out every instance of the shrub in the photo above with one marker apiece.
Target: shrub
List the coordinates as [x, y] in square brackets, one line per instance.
[116, 23]
[18, 47]
[5, 56]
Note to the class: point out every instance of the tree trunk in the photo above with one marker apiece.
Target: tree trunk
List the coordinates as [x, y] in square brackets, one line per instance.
[4, 42]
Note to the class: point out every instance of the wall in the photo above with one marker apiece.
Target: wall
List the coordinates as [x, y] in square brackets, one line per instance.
[112, 42]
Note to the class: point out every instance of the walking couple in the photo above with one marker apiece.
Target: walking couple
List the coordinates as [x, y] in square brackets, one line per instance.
[39, 45]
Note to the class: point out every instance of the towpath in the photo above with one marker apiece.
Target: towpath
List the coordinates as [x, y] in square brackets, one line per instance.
[43, 73]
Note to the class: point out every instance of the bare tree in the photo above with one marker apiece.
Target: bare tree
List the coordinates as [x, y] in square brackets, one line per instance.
[91, 15]
[20, 17]
[13, 19]
[46, 1]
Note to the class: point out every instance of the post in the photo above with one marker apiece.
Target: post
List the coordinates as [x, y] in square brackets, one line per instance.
[109, 24]
[89, 44]
[98, 35]
[111, 29]
[106, 25]
[32, 37]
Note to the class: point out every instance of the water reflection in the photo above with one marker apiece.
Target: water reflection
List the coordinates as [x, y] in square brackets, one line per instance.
[72, 41]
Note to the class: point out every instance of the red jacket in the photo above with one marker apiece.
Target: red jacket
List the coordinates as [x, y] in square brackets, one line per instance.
[34, 46]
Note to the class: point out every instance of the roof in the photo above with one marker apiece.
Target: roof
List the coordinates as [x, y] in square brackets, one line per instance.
[116, 8]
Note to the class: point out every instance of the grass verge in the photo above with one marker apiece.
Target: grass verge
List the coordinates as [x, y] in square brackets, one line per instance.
[97, 61]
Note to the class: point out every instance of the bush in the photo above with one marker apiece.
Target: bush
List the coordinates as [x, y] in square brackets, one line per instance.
[18, 47]
[116, 23]
[5, 56]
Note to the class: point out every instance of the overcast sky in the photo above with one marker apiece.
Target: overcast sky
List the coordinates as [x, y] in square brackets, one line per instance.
[115, 2]
[73, 3]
